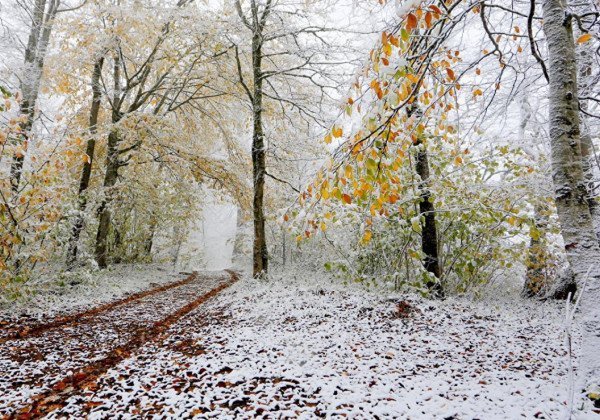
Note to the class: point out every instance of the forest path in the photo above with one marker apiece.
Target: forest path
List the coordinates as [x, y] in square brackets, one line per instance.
[44, 364]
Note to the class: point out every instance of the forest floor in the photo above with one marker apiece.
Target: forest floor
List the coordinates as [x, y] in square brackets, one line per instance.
[288, 347]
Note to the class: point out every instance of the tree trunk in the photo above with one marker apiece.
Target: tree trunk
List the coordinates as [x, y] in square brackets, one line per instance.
[429, 241]
[35, 54]
[581, 244]
[535, 278]
[259, 250]
[87, 166]
[110, 179]
[112, 171]
[585, 61]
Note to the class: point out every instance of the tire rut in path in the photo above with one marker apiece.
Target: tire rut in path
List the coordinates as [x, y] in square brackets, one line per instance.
[36, 329]
[54, 389]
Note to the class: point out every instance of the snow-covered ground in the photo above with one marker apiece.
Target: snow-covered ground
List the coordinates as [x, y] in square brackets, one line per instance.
[63, 293]
[297, 347]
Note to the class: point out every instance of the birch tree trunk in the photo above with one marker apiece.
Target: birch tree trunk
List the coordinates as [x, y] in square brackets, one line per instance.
[86, 172]
[581, 244]
[585, 63]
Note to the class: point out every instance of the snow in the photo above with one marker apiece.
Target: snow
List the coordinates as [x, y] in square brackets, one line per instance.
[305, 346]
[72, 292]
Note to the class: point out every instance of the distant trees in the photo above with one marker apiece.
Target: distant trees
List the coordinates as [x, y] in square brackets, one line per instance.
[289, 52]
[133, 87]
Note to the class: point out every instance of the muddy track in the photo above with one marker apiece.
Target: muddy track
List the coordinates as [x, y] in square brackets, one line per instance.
[42, 372]
[35, 329]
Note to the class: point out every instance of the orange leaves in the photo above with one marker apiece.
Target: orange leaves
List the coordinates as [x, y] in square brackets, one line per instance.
[387, 41]
[435, 9]
[348, 171]
[346, 199]
[451, 75]
[411, 22]
[336, 132]
[477, 92]
[377, 88]
[584, 38]
[428, 19]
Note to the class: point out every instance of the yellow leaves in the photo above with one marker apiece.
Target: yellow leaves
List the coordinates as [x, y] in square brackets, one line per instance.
[411, 22]
[534, 233]
[325, 190]
[458, 160]
[477, 92]
[387, 50]
[513, 221]
[327, 138]
[348, 172]
[323, 226]
[584, 38]
[367, 237]
[337, 131]
[64, 86]
[413, 78]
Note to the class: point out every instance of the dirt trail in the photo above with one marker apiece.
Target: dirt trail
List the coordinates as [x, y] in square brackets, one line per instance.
[44, 369]
[22, 328]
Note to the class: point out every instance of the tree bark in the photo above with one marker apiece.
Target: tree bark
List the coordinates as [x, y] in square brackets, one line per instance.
[35, 54]
[535, 277]
[571, 194]
[87, 166]
[429, 240]
[110, 179]
[112, 172]
[585, 63]
[259, 249]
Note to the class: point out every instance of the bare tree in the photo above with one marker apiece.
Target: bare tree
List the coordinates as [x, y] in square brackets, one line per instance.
[286, 51]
